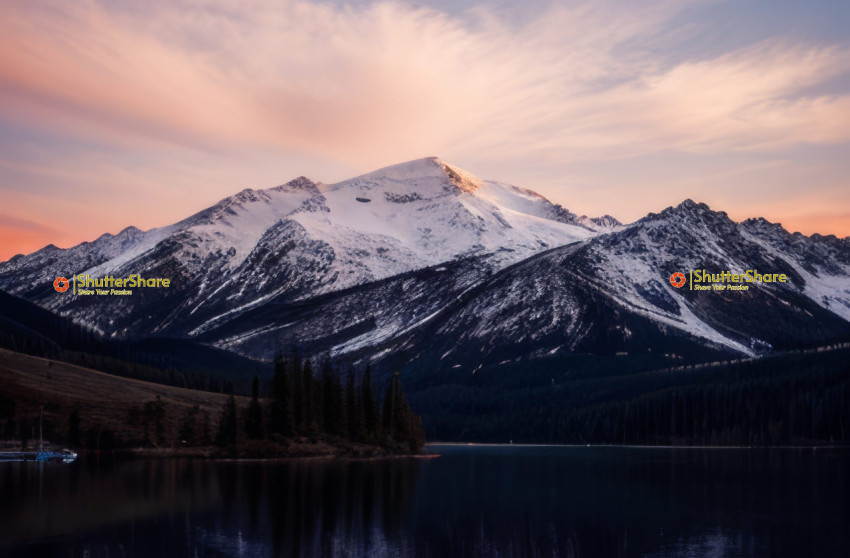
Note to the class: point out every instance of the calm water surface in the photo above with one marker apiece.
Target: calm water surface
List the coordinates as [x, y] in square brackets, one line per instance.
[470, 501]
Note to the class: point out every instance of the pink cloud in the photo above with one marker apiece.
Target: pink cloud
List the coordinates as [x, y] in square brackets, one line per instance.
[387, 81]
[362, 87]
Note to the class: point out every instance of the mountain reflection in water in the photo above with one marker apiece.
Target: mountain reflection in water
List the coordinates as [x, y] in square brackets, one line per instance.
[471, 501]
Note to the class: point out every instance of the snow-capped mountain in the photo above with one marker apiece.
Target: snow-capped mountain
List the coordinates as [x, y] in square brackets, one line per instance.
[297, 241]
[611, 294]
[606, 295]
[424, 262]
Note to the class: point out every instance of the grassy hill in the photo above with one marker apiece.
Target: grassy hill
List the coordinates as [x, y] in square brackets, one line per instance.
[128, 408]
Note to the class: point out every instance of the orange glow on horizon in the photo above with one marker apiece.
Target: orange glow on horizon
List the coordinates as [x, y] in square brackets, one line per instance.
[820, 223]
[112, 117]
[15, 241]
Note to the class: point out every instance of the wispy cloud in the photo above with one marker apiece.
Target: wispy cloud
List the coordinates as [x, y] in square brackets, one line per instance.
[9, 221]
[360, 86]
[386, 81]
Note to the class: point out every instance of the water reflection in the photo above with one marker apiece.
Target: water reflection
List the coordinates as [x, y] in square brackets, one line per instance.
[174, 507]
[636, 502]
[573, 502]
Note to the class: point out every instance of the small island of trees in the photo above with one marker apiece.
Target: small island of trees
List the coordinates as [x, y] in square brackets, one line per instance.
[303, 405]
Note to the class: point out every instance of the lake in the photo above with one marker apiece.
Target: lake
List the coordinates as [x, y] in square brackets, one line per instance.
[469, 501]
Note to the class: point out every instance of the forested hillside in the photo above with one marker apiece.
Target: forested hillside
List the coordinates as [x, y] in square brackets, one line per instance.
[794, 398]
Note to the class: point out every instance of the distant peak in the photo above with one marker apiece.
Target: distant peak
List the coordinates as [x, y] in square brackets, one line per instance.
[130, 231]
[300, 183]
[691, 204]
[49, 248]
[689, 210]
[607, 221]
[243, 195]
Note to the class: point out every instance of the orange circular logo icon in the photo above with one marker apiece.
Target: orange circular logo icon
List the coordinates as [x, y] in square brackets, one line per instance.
[60, 284]
[677, 279]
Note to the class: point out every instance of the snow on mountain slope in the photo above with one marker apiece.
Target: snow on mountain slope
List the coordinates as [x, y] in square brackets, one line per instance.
[822, 262]
[32, 275]
[348, 320]
[302, 239]
[387, 222]
[361, 265]
[232, 227]
[634, 264]
[611, 294]
[431, 212]
[606, 223]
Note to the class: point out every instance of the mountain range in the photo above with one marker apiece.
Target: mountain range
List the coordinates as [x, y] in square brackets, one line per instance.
[424, 265]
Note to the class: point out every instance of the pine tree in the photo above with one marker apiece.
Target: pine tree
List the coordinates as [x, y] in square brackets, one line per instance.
[368, 406]
[281, 416]
[311, 396]
[341, 417]
[355, 418]
[254, 415]
[297, 393]
[390, 408]
[228, 425]
[330, 405]
[400, 425]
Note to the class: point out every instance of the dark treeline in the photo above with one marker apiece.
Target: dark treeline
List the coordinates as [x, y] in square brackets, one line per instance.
[27, 328]
[308, 410]
[782, 400]
[747, 411]
[325, 404]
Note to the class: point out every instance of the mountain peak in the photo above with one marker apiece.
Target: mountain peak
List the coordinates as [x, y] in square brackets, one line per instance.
[691, 205]
[426, 166]
[300, 183]
[418, 172]
[691, 212]
[760, 223]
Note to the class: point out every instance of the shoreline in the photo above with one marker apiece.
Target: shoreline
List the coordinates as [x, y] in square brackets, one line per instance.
[263, 451]
[627, 446]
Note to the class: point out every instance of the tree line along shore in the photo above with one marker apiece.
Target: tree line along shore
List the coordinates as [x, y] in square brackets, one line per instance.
[309, 408]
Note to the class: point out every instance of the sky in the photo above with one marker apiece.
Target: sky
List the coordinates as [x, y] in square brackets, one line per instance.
[141, 113]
